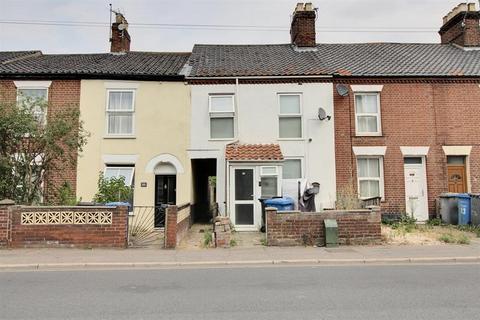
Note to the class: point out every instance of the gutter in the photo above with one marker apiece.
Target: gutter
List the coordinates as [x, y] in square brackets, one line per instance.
[260, 77]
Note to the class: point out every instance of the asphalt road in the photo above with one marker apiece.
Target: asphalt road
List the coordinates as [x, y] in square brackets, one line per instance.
[294, 292]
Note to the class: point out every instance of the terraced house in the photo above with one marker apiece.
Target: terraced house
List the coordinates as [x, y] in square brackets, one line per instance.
[402, 128]
[232, 124]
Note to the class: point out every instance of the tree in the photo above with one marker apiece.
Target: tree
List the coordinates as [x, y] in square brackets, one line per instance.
[31, 147]
[113, 190]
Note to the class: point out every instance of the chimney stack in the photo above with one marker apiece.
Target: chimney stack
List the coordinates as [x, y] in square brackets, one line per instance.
[120, 40]
[461, 26]
[302, 30]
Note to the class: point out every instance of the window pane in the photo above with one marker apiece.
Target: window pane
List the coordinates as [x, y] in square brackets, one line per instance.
[292, 169]
[244, 184]
[33, 94]
[458, 160]
[362, 168]
[269, 170]
[221, 104]
[269, 187]
[290, 127]
[120, 123]
[115, 172]
[412, 160]
[367, 124]
[122, 101]
[244, 214]
[369, 188]
[366, 103]
[374, 168]
[289, 104]
[221, 128]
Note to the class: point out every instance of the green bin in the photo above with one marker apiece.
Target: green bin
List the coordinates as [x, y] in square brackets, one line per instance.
[331, 233]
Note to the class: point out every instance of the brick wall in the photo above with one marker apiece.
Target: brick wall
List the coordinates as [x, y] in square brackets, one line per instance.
[296, 228]
[419, 113]
[62, 95]
[33, 227]
[5, 222]
[177, 223]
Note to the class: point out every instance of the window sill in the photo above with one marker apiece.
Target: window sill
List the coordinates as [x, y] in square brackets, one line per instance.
[378, 135]
[291, 139]
[224, 139]
[119, 137]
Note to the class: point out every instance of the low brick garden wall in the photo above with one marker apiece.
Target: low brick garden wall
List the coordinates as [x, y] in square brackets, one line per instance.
[298, 228]
[178, 221]
[82, 227]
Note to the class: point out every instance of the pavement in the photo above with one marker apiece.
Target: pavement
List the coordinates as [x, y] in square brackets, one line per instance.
[349, 292]
[142, 258]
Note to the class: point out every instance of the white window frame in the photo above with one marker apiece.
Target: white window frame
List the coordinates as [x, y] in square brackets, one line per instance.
[380, 179]
[221, 115]
[132, 111]
[301, 169]
[32, 86]
[378, 115]
[275, 174]
[291, 115]
[128, 183]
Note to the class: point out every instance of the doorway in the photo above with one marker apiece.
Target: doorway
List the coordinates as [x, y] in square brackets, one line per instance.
[165, 194]
[457, 174]
[416, 194]
[204, 174]
[244, 204]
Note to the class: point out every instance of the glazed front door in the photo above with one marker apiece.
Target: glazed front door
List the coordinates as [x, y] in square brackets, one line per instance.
[416, 188]
[243, 198]
[165, 194]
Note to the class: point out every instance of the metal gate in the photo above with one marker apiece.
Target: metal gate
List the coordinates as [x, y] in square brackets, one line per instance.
[146, 227]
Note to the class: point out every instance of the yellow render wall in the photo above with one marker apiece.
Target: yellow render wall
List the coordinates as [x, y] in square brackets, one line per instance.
[162, 124]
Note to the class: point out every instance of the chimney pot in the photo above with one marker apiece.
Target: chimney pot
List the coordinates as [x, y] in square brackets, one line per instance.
[120, 40]
[302, 30]
[461, 26]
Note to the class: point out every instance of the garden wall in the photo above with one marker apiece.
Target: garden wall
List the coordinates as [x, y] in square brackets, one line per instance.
[178, 222]
[82, 227]
[298, 228]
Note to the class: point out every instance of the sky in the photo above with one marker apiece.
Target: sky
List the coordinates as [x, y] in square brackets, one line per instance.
[358, 21]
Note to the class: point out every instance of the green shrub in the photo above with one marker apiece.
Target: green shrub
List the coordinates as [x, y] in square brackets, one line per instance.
[207, 239]
[435, 222]
[463, 239]
[113, 190]
[66, 196]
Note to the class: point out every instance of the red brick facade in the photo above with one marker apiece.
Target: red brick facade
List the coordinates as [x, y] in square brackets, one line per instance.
[62, 95]
[432, 113]
[300, 228]
[176, 230]
[462, 30]
[302, 31]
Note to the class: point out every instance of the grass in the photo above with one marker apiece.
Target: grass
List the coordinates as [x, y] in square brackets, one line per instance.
[454, 239]
[233, 242]
[207, 239]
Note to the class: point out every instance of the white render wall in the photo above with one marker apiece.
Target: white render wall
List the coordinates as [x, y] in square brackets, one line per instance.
[257, 110]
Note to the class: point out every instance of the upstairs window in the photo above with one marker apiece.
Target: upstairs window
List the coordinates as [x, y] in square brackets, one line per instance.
[34, 99]
[290, 116]
[367, 114]
[222, 116]
[120, 112]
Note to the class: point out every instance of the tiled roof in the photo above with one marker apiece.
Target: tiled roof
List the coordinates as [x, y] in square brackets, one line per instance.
[253, 152]
[369, 59]
[131, 64]
[6, 56]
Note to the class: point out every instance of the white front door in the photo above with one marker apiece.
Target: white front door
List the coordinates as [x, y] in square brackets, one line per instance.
[416, 188]
[244, 203]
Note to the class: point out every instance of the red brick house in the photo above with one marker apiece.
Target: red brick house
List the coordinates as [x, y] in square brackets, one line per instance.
[406, 123]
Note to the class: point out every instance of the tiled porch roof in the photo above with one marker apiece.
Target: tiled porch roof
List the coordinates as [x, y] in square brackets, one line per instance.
[253, 152]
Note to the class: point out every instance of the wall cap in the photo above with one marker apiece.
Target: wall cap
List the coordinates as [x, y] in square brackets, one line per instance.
[7, 202]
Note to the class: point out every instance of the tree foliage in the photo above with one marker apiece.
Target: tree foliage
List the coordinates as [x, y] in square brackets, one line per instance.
[32, 148]
[113, 190]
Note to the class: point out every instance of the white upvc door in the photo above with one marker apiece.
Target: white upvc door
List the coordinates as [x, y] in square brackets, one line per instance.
[416, 194]
[244, 205]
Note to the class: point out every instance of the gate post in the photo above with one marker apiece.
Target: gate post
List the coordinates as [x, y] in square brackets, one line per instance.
[171, 227]
[5, 222]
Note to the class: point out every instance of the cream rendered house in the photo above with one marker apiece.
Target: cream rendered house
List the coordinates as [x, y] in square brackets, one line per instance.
[139, 129]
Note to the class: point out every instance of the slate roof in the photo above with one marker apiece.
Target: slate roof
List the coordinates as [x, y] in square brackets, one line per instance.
[367, 59]
[253, 152]
[131, 64]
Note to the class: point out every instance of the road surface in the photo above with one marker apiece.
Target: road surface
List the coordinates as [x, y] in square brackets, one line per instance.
[248, 293]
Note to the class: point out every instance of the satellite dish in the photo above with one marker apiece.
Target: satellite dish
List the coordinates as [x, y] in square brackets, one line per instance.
[342, 90]
[122, 26]
[322, 114]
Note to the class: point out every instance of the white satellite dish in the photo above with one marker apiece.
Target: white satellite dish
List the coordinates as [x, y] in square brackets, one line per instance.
[322, 114]
[122, 26]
